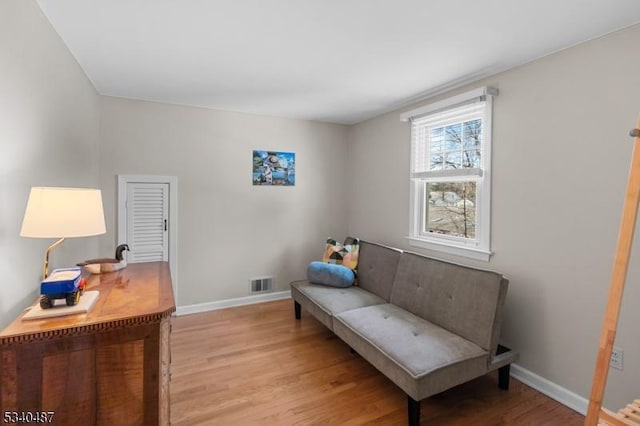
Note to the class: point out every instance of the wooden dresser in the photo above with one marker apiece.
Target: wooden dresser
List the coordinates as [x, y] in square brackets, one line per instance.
[107, 367]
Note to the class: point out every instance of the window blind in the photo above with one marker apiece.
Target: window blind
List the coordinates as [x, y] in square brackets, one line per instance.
[421, 131]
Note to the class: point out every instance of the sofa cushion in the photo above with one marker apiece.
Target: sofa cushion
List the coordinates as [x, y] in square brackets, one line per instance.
[342, 254]
[465, 301]
[323, 302]
[329, 274]
[420, 357]
[377, 268]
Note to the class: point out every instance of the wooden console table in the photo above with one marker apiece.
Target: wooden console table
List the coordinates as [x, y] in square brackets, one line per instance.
[107, 367]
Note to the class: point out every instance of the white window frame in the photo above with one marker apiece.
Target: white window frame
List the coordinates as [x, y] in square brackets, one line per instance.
[480, 247]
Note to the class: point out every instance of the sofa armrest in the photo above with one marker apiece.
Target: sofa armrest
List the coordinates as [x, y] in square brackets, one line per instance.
[504, 356]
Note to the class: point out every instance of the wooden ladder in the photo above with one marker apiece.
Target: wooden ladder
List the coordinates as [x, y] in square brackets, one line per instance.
[629, 415]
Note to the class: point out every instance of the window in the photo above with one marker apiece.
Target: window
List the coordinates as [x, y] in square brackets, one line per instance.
[450, 175]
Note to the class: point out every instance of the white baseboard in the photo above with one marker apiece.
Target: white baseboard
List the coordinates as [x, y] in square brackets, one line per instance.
[230, 303]
[552, 390]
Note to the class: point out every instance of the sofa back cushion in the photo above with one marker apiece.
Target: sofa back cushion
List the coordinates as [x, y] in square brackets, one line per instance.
[377, 268]
[463, 300]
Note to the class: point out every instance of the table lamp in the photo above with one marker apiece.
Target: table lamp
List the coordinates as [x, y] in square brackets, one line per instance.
[62, 213]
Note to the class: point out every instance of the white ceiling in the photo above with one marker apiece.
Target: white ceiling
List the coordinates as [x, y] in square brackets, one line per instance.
[340, 61]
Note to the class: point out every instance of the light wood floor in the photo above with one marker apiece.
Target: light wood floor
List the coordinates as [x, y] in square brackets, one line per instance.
[257, 365]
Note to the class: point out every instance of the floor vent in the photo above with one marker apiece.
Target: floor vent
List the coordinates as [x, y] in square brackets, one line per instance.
[261, 285]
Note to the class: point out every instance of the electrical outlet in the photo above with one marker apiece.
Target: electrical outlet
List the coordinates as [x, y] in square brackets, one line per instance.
[616, 358]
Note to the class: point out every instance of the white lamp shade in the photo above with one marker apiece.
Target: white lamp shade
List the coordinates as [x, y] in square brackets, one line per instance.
[63, 213]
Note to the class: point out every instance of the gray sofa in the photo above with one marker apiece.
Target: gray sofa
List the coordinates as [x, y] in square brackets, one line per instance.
[428, 325]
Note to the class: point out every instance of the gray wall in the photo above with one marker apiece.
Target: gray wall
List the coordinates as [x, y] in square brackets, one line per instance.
[229, 230]
[48, 137]
[561, 156]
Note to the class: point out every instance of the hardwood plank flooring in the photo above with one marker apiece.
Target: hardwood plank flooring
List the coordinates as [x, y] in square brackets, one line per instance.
[257, 365]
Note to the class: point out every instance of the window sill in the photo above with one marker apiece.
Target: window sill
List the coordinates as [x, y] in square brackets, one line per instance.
[456, 250]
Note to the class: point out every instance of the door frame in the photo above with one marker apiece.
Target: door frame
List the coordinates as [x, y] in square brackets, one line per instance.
[172, 181]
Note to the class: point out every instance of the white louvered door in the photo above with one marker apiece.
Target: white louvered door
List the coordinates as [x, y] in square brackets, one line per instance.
[147, 210]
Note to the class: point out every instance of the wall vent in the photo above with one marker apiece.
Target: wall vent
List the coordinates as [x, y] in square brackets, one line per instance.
[261, 285]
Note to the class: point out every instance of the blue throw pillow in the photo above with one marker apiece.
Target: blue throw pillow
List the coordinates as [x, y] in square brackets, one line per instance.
[330, 274]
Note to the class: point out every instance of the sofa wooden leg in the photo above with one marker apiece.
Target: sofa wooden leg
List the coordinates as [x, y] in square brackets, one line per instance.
[296, 308]
[504, 377]
[414, 411]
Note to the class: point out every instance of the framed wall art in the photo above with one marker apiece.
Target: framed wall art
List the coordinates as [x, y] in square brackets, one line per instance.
[274, 168]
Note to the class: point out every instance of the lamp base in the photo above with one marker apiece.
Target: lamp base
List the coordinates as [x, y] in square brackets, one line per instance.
[45, 268]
